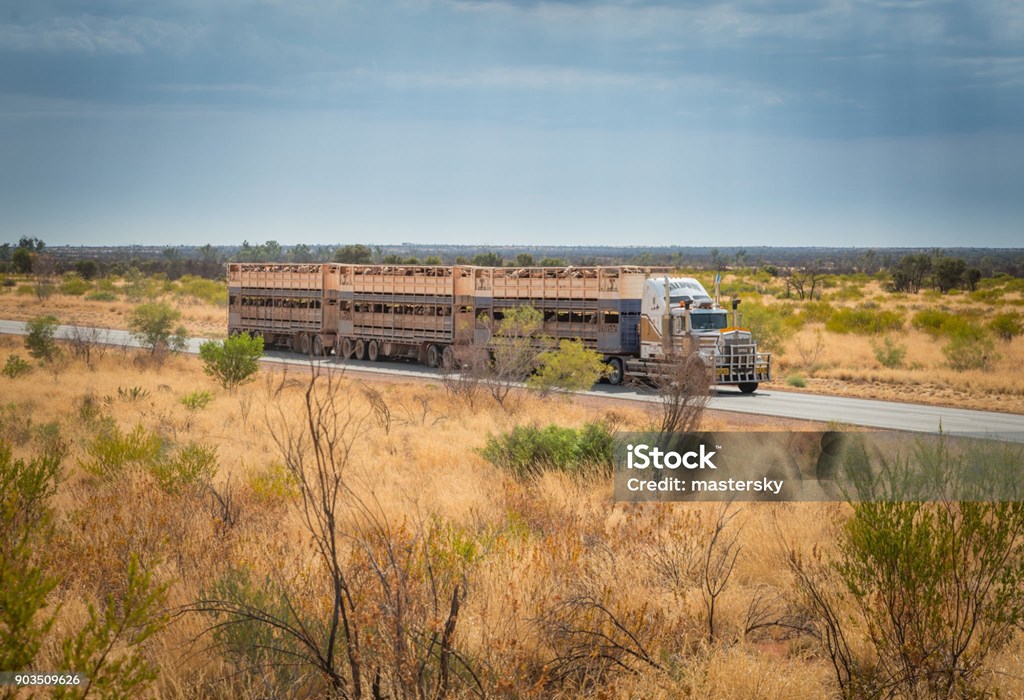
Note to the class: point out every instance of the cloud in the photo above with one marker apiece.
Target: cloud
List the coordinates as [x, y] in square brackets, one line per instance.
[99, 35]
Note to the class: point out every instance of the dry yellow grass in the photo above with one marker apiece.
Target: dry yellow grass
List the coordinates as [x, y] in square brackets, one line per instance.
[540, 544]
[201, 319]
[845, 364]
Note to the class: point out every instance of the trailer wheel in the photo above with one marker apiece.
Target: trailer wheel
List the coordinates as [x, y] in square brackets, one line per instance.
[304, 344]
[748, 387]
[346, 348]
[448, 357]
[433, 356]
[318, 346]
[360, 349]
[372, 351]
[616, 375]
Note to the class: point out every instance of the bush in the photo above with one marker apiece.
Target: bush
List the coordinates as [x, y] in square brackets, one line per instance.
[769, 326]
[151, 324]
[192, 466]
[73, 285]
[967, 351]
[16, 367]
[40, 341]
[25, 290]
[889, 352]
[818, 311]
[528, 449]
[197, 400]
[101, 295]
[1007, 326]
[938, 584]
[234, 361]
[864, 321]
[796, 380]
[572, 367]
[937, 323]
[210, 291]
[111, 454]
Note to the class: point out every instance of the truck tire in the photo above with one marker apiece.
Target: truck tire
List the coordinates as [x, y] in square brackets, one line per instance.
[433, 356]
[347, 346]
[318, 346]
[304, 344]
[360, 352]
[748, 387]
[616, 376]
[448, 357]
[372, 351]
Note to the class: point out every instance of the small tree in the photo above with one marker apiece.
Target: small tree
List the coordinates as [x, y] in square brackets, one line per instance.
[948, 273]
[684, 390]
[40, 340]
[22, 260]
[572, 367]
[152, 324]
[514, 350]
[234, 361]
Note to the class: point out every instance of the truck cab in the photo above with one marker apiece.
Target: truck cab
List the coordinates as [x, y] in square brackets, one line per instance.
[679, 317]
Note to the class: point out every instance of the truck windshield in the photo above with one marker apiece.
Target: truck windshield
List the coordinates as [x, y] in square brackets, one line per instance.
[709, 322]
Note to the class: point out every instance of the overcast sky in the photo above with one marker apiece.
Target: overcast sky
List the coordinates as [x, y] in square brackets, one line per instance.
[798, 122]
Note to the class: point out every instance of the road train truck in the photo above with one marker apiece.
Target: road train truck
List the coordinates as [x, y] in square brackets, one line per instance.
[637, 317]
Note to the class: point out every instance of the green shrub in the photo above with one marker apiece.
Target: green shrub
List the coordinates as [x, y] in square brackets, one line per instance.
[210, 291]
[889, 352]
[274, 483]
[152, 324]
[572, 367]
[40, 340]
[938, 323]
[968, 351]
[1007, 326]
[864, 321]
[192, 466]
[528, 450]
[234, 361]
[197, 400]
[16, 367]
[770, 325]
[796, 380]
[938, 585]
[73, 285]
[818, 311]
[111, 454]
[25, 290]
[101, 295]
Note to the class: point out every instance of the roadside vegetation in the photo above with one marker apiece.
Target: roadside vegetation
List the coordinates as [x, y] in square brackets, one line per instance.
[304, 535]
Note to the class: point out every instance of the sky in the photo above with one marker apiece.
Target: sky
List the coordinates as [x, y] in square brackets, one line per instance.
[745, 122]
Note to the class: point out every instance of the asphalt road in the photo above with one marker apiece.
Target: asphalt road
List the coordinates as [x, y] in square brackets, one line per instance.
[782, 404]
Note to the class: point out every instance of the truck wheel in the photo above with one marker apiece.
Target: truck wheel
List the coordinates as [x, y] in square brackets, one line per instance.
[372, 351]
[318, 346]
[304, 344]
[616, 375]
[433, 356]
[360, 349]
[346, 348]
[448, 357]
[748, 387]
